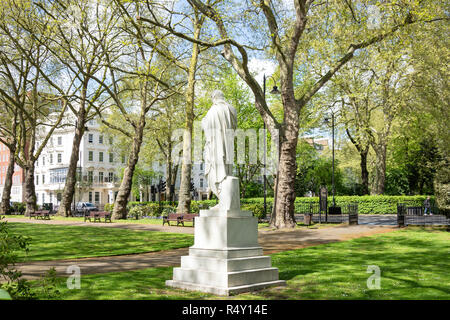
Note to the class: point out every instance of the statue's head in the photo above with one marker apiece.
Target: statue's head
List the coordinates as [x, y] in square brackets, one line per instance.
[217, 95]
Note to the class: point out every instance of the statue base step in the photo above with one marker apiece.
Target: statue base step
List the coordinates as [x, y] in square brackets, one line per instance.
[226, 257]
[224, 291]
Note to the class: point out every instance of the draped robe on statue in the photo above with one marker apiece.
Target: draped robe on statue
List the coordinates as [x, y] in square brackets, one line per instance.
[219, 125]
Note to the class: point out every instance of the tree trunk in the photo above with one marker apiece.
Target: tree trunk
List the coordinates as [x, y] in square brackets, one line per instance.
[71, 180]
[30, 191]
[380, 166]
[283, 210]
[364, 171]
[6, 196]
[184, 196]
[363, 153]
[169, 173]
[120, 206]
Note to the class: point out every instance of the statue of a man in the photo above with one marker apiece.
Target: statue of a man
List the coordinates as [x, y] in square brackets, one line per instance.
[219, 125]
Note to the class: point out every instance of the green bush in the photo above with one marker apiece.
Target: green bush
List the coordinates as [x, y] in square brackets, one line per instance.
[109, 207]
[18, 207]
[256, 208]
[165, 210]
[366, 204]
[137, 212]
[153, 209]
[10, 245]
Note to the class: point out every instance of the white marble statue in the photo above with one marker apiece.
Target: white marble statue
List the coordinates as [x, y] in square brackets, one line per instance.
[226, 257]
[219, 126]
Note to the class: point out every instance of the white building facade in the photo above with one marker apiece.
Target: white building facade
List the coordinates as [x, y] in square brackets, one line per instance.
[98, 167]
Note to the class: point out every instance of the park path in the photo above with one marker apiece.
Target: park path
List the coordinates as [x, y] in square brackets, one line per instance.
[271, 241]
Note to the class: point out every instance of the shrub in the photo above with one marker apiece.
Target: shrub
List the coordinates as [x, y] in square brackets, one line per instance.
[18, 207]
[47, 285]
[153, 209]
[109, 207]
[195, 207]
[366, 204]
[137, 212]
[9, 245]
[168, 209]
[256, 208]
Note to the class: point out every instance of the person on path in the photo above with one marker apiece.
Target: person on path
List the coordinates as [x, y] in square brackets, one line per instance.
[427, 206]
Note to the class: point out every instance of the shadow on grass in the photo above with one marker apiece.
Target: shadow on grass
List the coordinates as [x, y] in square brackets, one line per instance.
[410, 259]
[413, 263]
[53, 242]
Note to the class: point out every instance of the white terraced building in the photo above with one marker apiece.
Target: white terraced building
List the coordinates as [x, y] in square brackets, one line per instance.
[97, 167]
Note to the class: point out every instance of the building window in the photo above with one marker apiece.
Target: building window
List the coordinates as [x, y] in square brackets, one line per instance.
[51, 158]
[100, 156]
[43, 161]
[58, 197]
[111, 140]
[91, 138]
[91, 156]
[111, 157]
[59, 141]
[201, 183]
[43, 198]
[37, 179]
[59, 157]
[100, 176]
[100, 139]
[90, 196]
[43, 179]
[110, 176]
[90, 176]
[58, 175]
[201, 166]
[97, 197]
[123, 158]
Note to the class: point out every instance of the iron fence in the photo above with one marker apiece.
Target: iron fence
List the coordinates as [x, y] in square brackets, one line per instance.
[349, 213]
[409, 213]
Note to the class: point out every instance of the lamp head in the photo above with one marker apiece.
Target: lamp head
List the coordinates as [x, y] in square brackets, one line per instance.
[275, 90]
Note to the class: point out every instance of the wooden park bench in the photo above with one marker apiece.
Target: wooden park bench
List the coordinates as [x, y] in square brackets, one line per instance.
[188, 217]
[97, 215]
[41, 214]
[172, 217]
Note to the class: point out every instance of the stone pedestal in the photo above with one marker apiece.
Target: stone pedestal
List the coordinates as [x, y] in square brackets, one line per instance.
[226, 257]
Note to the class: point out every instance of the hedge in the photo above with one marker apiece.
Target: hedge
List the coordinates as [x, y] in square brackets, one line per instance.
[366, 204]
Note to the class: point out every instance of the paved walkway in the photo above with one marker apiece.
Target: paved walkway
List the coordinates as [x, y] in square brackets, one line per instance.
[272, 241]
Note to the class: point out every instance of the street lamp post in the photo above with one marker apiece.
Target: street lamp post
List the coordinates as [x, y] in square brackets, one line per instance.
[274, 91]
[333, 209]
[332, 147]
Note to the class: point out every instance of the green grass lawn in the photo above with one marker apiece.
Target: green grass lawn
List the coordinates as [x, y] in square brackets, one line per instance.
[54, 242]
[414, 264]
[81, 219]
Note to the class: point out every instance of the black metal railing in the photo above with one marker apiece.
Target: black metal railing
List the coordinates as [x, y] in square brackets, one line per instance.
[349, 213]
[409, 213]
